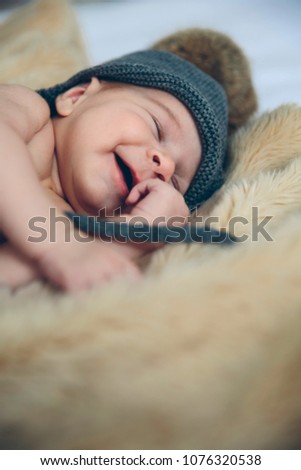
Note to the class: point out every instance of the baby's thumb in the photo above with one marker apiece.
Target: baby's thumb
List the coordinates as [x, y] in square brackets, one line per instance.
[140, 190]
[133, 196]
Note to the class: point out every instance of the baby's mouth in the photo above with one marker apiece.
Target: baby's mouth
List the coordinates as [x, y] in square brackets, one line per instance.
[126, 171]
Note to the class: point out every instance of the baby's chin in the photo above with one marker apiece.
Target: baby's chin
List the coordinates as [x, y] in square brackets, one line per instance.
[101, 211]
[106, 212]
[94, 208]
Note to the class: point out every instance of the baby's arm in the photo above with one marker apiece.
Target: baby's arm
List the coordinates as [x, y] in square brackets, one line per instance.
[22, 115]
[73, 265]
[15, 269]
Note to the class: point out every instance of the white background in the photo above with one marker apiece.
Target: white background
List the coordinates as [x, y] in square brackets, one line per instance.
[268, 30]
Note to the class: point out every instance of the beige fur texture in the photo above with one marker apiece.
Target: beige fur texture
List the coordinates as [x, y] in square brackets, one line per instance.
[40, 45]
[204, 353]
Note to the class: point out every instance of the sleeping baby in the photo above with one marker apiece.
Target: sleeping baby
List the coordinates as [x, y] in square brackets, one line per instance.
[144, 135]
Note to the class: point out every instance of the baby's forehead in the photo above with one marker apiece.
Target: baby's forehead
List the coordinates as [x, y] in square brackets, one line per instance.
[172, 106]
[141, 90]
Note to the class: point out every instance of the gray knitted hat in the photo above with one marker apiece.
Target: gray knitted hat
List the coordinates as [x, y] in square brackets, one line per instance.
[202, 95]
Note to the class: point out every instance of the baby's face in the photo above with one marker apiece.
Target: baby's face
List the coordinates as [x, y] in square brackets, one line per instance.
[111, 136]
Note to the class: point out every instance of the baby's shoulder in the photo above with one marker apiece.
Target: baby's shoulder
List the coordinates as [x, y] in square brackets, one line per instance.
[28, 114]
[24, 109]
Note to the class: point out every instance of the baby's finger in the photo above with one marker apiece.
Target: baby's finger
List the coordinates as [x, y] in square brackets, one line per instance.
[133, 273]
[129, 272]
[142, 189]
[133, 196]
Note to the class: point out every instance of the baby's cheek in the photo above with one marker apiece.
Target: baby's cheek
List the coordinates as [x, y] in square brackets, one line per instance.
[134, 129]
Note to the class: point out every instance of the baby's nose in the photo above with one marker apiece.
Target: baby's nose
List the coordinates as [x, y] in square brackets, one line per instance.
[162, 165]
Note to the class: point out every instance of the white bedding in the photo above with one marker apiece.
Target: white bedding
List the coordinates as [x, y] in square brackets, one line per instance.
[269, 31]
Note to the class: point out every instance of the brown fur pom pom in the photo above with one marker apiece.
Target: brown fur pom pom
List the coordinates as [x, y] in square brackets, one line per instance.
[218, 56]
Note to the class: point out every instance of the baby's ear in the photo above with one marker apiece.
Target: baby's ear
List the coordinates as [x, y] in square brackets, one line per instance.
[67, 101]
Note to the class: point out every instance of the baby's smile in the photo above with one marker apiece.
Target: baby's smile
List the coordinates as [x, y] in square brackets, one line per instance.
[125, 173]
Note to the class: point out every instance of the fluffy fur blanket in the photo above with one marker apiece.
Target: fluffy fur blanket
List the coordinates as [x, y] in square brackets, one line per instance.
[204, 354]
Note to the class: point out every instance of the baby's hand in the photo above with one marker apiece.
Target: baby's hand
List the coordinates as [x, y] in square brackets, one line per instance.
[15, 269]
[154, 198]
[77, 266]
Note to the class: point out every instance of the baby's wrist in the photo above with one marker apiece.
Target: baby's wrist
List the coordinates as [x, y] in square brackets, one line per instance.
[51, 240]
